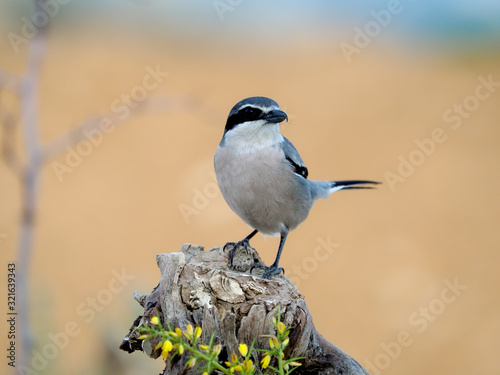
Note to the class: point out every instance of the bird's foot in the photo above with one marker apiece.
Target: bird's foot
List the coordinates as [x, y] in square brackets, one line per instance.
[269, 271]
[241, 255]
[234, 246]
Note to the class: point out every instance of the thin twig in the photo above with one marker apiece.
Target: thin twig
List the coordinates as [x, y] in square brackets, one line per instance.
[8, 152]
[27, 88]
[58, 145]
[8, 122]
[154, 104]
[30, 182]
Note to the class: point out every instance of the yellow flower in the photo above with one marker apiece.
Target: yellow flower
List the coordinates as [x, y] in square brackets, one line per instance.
[271, 343]
[178, 332]
[217, 349]
[234, 359]
[296, 363]
[197, 333]
[265, 361]
[160, 344]
[204, 347]
[281, 327]
[243, 350]
[142, 337]
[192, 362]
[189, 332]
[275, 342]
[234, 365]
[167, 347]
[181, 348]
[155, 320]
[248, 364]
[285, 342]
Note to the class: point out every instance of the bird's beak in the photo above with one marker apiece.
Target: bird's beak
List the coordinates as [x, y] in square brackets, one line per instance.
[276, 116]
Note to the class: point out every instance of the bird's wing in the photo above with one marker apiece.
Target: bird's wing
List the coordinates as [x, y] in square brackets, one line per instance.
[293, 157]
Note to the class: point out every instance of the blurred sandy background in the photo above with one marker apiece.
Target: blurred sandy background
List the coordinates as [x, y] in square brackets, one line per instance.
[397, 249]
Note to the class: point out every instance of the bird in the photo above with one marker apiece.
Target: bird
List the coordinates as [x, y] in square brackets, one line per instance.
[262, 176]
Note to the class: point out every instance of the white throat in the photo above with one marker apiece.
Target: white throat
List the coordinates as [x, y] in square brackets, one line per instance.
[253, 135]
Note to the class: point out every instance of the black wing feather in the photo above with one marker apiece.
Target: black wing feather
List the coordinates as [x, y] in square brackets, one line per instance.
[293, 157]
[299, 169]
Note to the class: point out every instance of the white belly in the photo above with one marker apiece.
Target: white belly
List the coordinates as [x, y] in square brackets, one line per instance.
[262, 189]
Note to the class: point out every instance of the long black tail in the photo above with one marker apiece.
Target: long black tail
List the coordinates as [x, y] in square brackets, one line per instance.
[353, 184]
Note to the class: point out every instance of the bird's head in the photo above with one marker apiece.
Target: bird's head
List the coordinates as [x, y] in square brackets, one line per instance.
[255, 120]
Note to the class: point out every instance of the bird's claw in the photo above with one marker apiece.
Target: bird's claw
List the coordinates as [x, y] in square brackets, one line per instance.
[244, 243]
[269, 271]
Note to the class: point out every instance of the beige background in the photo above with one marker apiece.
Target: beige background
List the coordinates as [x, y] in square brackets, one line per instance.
[397, 248]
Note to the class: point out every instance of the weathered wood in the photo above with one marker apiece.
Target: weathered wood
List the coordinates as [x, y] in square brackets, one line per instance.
[200, 288]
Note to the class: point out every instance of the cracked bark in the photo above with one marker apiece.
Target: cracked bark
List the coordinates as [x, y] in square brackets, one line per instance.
[198, 287]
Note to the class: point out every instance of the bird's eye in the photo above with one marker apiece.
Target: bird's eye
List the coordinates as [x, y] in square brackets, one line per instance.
[250, 113]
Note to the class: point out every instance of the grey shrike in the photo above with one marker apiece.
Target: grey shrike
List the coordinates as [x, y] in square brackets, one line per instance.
[262, 176]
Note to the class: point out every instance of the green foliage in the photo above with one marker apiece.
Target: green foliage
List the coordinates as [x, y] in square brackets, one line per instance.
[175, 342]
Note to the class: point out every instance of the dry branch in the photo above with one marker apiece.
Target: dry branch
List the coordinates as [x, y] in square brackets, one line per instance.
[199, 288]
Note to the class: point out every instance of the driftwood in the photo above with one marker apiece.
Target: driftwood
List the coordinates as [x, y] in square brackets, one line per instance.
[199, 288]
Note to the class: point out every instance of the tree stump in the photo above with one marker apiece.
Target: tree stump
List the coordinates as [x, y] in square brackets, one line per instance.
[202, 289]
